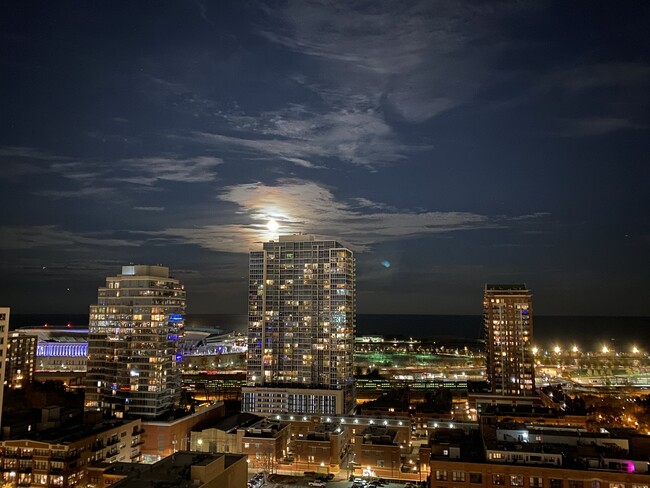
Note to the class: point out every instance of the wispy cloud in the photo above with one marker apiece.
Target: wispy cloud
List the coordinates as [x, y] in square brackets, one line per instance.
[150, 170]
[595, 126]
[150, 209]
[29, 237]
[309, 139]
[421, 57]
[308, 207]
[374, 65]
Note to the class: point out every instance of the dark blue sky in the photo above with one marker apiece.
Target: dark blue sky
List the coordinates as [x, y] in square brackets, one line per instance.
[463, 142]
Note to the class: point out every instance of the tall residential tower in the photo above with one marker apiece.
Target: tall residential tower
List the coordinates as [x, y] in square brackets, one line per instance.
[301, 323]
[133, 345]
[508, 322]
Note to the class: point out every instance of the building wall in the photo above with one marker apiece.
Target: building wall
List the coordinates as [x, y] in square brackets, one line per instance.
[5, 313]
[264, 452]
[235, 476]
[164, 438]
[215, 440]
[493, 475]
[267, 401]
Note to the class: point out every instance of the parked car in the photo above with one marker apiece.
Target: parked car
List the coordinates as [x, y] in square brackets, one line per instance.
[317, 483]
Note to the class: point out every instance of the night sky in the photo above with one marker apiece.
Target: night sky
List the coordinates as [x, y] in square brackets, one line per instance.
[449, 144]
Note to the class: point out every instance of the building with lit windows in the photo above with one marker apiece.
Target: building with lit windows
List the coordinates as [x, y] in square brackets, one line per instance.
[4, 334]
[21, 353]
[508, 322]
[301, 313]
[134, 342]
[61, 457]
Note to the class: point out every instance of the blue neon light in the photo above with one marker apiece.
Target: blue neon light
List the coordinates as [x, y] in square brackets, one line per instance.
[175, 318]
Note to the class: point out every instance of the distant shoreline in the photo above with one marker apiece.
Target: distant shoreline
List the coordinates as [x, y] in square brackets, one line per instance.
[585, 331]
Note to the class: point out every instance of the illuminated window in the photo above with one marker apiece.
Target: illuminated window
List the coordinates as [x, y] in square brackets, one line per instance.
[516, 480]
[498, 479]
[458, 476]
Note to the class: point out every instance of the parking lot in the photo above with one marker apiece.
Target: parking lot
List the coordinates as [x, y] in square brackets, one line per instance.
[280, 481]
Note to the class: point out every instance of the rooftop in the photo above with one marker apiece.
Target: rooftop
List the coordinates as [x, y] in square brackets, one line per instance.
[172, 471]
[74, 433]
[236, 421]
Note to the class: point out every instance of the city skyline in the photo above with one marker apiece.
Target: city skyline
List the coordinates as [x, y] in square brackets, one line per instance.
[447, 144]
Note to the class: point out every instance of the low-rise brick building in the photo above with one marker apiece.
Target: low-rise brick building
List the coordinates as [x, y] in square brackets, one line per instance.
[61, 457]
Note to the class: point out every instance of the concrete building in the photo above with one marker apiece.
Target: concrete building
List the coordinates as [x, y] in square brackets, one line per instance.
[134, 344]
[61, 457]
[508, 325]
[20, 358]
[182, 470]
[5, 313]
[301, 309]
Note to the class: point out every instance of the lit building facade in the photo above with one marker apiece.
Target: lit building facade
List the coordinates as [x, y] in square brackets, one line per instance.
[61, 457]
[508, 323]
[5, 312]
[21, 353]
[134, 342]
[301, 323]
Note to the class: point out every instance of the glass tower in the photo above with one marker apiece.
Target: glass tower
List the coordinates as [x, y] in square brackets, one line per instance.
[508, 323]
[301, 324]
[133, 344]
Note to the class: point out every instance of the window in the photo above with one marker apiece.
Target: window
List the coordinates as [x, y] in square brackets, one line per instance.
[595, 484]
[575, 484]
[380, 463]
[476, 478]
[441, 475]
[516, 480]
[458, 476]
[617, 485]
[498, 479]
[555, 483]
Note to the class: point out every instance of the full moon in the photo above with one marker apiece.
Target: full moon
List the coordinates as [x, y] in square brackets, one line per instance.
[272, 225]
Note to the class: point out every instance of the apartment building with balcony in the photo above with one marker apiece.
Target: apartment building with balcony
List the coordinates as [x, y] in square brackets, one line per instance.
[61, 457]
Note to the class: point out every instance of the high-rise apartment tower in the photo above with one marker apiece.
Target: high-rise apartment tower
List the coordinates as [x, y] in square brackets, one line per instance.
[508, 322]
[301, 324]
[133, 344]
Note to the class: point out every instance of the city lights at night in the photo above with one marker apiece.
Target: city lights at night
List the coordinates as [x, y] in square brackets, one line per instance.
[328, 244]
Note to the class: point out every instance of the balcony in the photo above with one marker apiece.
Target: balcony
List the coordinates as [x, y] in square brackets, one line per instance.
[112, 441]
[137, 443]
[97, 446]
[137, 432]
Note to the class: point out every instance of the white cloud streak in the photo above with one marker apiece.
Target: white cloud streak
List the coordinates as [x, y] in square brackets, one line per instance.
[307, 207]
[30, 237]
